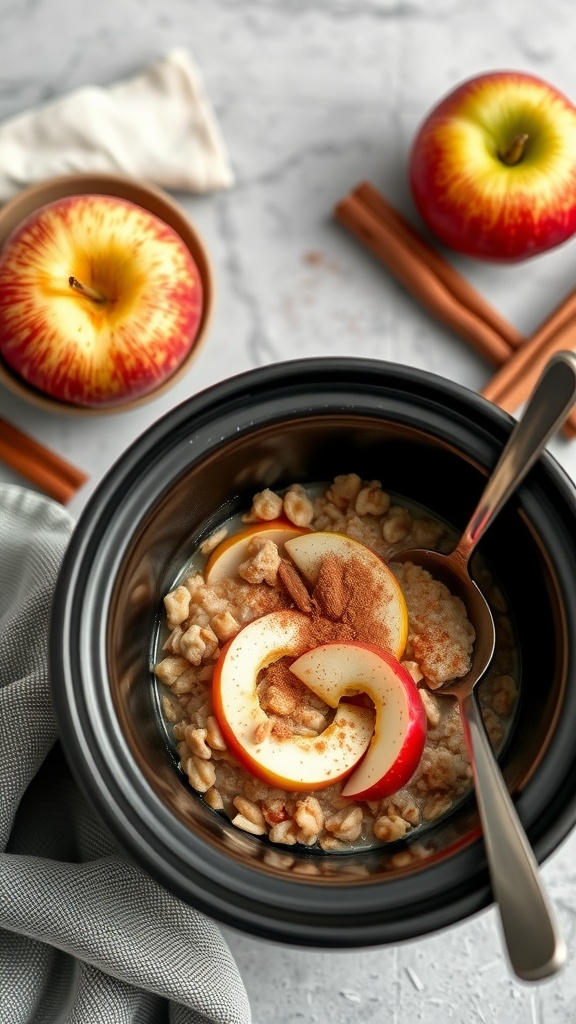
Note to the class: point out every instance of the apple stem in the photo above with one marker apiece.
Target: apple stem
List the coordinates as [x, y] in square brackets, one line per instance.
[86, 290]
[515, 152]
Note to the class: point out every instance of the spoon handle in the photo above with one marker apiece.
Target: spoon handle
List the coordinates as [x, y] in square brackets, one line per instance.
[535, 948]
[546, 410]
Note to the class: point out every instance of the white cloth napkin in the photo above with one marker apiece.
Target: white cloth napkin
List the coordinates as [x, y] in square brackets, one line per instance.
[158, 126]
[85, 935]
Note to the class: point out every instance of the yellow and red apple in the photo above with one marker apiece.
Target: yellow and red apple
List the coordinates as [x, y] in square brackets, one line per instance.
[493, 167]
[388, 615]
[338, 670]
[226, 559]
[100, 300]
[292, 762]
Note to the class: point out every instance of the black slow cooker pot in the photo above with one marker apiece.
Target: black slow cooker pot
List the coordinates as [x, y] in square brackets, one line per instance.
[424, 438]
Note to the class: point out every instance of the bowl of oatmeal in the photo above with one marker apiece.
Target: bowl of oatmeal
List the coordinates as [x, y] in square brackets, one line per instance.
[248, 687]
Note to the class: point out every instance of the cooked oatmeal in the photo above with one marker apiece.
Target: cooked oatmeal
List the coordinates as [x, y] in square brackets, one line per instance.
[201, 618]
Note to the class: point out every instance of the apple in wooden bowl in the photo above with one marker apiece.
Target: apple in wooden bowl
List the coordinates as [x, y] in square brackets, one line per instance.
[105, 294]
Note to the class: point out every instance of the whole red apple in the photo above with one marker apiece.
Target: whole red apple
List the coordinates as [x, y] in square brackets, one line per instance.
[100, 300]
[493, 167]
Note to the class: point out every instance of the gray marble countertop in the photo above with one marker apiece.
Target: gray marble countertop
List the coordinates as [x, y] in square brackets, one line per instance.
[313, 96]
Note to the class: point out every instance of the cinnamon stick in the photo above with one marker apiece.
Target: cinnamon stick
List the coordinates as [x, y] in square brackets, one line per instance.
[511, 385]
[419, 278]
[432, 280]
[42, 467]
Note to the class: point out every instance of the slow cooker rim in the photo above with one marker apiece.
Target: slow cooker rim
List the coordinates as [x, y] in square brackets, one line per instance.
[215, 396]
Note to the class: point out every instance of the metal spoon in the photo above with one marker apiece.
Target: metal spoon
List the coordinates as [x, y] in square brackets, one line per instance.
[535, 948]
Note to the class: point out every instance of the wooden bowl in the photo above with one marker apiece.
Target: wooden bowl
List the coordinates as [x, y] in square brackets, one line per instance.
[150, 198]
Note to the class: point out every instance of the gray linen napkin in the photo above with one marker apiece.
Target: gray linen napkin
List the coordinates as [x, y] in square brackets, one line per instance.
[85, 936]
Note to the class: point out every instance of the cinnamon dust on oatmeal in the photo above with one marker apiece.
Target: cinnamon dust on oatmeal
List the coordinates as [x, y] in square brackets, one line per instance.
[340, 609]
[348, 593]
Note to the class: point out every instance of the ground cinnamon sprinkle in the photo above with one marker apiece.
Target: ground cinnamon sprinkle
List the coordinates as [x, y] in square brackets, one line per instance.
[340, 609]
[347, 592]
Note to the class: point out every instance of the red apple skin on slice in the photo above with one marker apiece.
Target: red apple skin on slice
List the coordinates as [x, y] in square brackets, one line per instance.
[226, 559]
[388, 610]
[296, 762]
[334, 671]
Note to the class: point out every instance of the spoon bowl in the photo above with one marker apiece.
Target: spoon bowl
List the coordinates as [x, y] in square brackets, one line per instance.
[453, 573]
[535, 948]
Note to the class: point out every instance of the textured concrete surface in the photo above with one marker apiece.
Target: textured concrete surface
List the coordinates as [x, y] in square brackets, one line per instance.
[313, 96]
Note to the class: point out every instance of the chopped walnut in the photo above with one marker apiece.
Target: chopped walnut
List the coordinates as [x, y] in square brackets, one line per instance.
[177, 604]
[372, 500]
[334, 515]
[170, 709]
[284, 833]
[248, 809]
[225, 626]
[266, 505]
[344, 490]
[262, 567]
[192, 645]
[199, 715]
[201, 774]
[211, 650]
[185, 683]
[214, 799]
[345, 824]
[330, 844]
[196, 740]
[172, 645]
[248, 826]
[170, 668]
[309, 816]
[297, 506]
[389, 828]
[437, 769]
[214, 737]
[404, 806]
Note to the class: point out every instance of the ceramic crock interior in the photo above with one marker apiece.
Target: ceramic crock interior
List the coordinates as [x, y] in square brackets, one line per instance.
[424, 438]
[310, 449]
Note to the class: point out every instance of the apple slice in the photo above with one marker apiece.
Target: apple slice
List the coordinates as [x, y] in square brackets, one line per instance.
[338, 670]
[292, 762]
[372, 583]
[225, 560]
